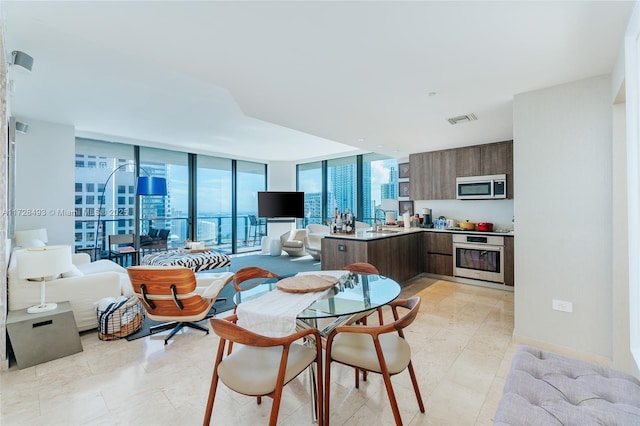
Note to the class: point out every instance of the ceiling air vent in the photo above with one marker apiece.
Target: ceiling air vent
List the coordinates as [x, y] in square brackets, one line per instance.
[462, 118]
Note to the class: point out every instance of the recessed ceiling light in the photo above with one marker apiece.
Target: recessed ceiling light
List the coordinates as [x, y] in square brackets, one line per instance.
[380, 146]
[360, 139]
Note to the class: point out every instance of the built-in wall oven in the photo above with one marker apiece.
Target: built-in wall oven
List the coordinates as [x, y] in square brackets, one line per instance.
[480, 257]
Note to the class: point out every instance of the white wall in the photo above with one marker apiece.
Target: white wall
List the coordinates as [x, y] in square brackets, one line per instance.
[45, 177]
[563, 160]
[622, 358]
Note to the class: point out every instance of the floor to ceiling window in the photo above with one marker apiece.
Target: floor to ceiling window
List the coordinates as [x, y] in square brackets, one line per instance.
[310, 182]
[379, 181]
[170, 212]
[213, 201]
[358, 183]
[342, 178]
[250, 179]
[104, 193]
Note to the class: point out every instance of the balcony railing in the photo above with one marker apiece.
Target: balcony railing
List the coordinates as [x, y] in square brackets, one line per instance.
[214, 231]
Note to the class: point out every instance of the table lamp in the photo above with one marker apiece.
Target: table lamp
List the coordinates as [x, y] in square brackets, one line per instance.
[31, 237]
[39, 263]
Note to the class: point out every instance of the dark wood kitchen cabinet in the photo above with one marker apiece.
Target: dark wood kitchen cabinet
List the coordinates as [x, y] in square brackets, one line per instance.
[398, 257]
[439, 248]
[508, 261]
[443, 174]
[497, 158]
[433, 175]
[420, 181]
[469, 161]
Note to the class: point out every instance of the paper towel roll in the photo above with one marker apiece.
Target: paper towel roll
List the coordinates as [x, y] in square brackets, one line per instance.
[406, 218]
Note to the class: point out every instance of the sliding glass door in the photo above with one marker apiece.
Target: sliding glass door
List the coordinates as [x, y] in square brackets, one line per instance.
[310, 182]
[170, 213]
[104, 193]
[250, 179]
[213, 202]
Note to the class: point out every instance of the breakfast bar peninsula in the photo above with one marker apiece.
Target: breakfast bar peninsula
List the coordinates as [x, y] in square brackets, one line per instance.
[396, 252]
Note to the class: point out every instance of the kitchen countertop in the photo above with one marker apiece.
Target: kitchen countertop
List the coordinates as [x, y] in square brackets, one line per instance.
[395, 231]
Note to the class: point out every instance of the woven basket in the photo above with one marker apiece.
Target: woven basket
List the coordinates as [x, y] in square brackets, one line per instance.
[123, 322]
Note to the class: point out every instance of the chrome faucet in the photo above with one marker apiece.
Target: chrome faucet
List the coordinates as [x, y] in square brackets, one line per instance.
[378, 226]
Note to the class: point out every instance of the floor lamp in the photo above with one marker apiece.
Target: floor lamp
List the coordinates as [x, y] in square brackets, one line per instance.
[145, 185]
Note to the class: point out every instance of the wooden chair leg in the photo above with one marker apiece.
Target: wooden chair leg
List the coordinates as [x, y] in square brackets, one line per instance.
[212, 396]
[327, 389]
[392, 399]
[414, 381]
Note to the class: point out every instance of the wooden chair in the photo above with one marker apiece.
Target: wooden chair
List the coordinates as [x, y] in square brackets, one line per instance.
[171, 294]
[368, 269]
[248, 277]
[262, 365]
[377, 349]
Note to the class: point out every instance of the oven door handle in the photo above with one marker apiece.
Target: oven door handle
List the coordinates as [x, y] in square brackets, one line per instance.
[480, 247]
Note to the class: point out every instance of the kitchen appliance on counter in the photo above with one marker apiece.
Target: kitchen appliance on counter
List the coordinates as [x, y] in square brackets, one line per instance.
[467, 226]
[479, 257]
[485, 226]
[481, 187]
[426, 215]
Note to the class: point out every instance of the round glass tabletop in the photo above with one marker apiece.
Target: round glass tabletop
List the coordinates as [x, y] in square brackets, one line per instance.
[354, 293]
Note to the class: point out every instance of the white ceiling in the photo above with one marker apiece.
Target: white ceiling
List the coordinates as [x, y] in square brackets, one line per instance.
[294, 81]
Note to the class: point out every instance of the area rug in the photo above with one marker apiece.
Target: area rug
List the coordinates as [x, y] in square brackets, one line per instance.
[281, 265]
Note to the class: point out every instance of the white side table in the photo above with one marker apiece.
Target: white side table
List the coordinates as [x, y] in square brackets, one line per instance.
[38, 338]
[264, 243]
[275, 248]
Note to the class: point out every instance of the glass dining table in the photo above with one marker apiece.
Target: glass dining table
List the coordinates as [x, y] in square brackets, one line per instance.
[352, 297]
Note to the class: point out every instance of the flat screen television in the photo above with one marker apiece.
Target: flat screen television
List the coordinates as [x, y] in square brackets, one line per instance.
[273, 204]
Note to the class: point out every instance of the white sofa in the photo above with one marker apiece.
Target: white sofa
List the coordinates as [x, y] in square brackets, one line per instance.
[91, 282]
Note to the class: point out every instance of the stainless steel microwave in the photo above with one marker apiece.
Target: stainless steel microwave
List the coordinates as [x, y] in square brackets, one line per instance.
[481, 187]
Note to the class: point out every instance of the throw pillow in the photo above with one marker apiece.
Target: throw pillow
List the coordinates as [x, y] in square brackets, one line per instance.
[73, 272]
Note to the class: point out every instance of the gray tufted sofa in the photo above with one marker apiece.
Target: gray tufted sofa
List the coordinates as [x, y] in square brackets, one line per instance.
[544, 388]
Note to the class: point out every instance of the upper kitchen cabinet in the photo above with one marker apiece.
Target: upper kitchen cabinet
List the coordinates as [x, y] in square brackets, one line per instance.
[469, 161]
[433, 175]
[420, 187]
[443, 174]
[497, 159]
[481, 160]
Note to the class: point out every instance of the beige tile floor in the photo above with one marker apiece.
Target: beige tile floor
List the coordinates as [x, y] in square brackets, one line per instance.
[462, 350]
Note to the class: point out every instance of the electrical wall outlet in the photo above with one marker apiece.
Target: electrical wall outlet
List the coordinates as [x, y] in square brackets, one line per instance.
[562, 305]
